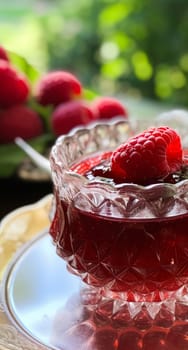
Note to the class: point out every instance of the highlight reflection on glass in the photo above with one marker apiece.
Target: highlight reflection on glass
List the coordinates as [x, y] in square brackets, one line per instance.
[127, 242]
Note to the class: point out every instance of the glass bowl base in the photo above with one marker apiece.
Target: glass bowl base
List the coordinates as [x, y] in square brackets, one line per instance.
[56, 310]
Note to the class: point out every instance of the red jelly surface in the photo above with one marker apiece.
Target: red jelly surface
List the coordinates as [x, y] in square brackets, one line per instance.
[133, 256]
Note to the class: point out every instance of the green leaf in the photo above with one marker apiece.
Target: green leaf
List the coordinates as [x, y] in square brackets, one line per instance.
[10, 158]
[24, 66]
[44, 112]
[89, 94]
[11, 155]
[40, 143]
[114, 13]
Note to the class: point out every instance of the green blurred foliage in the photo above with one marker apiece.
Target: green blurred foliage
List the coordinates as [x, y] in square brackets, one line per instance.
[130, 46]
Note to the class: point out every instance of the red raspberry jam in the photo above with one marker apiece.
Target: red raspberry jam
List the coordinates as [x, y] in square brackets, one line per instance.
[133, 256]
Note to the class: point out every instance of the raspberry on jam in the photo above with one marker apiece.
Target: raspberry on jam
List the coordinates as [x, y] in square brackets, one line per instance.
[130, 240]
[153, 156]
[149, 156]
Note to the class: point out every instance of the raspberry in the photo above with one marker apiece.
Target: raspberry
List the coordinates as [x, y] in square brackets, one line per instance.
[109, 107]
[57, 87]
[3, 54]
[20, 121]
[71, 114]
[14, 88]
[148, 156]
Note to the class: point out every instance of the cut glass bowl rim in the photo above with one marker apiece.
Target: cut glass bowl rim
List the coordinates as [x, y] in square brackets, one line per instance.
[171, 187]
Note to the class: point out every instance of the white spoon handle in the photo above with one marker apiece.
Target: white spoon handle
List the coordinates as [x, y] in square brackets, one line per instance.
[39, 160]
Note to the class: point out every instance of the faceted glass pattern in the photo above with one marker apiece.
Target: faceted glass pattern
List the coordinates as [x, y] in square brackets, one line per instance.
[129, 241]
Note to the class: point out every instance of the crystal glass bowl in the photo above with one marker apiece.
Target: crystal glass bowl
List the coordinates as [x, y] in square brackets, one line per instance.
[129, 241]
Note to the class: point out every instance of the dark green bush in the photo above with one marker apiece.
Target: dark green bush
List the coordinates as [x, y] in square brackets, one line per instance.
[131, 45]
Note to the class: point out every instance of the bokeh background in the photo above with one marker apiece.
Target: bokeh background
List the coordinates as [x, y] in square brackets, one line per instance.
[129, 47]
[136, 50]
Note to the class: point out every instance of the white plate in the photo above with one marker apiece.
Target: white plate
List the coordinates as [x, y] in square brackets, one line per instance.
[43, 306]
[35, 287]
